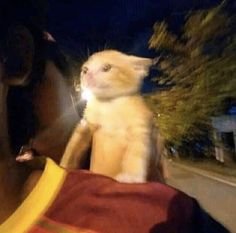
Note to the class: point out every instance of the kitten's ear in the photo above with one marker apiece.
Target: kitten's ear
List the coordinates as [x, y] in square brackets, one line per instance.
[141, 65]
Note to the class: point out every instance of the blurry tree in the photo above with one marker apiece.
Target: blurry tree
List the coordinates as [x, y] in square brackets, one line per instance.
[198, 70]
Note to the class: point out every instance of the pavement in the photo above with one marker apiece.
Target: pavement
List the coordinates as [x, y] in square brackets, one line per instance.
[215, 193]
[229, 180]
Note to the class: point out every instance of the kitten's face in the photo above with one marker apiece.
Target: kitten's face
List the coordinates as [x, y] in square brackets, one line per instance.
[110, 74]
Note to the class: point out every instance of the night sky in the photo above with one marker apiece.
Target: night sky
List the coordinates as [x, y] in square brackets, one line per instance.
[82, 27]
[86, 26]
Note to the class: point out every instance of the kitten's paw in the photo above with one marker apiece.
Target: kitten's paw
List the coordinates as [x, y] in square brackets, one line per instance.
[129, 178]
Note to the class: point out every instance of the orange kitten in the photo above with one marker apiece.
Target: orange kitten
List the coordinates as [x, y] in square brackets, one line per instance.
[117, 119]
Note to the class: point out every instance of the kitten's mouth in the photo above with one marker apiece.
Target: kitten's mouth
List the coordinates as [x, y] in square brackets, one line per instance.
[93, 84]
[87, 93]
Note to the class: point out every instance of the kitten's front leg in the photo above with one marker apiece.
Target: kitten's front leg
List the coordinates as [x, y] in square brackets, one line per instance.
[136, 159]
[78, 144]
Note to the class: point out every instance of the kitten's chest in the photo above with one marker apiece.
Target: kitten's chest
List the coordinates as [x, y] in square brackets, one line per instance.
[108, 116]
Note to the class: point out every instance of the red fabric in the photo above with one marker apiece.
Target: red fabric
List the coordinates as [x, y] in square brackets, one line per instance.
[101, 204]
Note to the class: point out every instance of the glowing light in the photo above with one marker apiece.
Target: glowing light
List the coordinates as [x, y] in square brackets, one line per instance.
[86, 94]
[83, 122]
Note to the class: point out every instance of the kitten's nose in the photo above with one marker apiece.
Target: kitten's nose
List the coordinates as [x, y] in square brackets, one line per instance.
[89, 78]
[89, 75]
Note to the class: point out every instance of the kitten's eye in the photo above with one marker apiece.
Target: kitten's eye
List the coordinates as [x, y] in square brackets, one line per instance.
[84, 70]
[106, 67]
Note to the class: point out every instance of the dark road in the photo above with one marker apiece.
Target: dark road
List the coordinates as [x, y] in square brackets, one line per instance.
[217, 198]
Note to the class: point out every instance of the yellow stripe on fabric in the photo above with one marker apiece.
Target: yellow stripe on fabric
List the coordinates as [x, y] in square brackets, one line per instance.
[38, 200]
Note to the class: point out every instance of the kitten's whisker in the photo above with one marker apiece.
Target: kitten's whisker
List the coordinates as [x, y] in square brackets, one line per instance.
[88, 52]
[106, 46]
